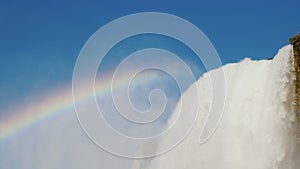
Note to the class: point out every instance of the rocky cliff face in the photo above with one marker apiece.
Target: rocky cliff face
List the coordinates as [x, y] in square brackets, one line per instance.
[295, 41]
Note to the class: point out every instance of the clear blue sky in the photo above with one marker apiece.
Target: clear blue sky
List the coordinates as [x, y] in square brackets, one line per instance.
[40, 40]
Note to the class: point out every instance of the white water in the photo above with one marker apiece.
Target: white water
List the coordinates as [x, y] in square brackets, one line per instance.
[257, 130]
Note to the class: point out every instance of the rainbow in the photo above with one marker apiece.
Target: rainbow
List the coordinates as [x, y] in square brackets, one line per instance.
[16, 119]
[56, 102]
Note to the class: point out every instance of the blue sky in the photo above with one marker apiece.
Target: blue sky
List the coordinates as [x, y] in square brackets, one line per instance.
[40, 41]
